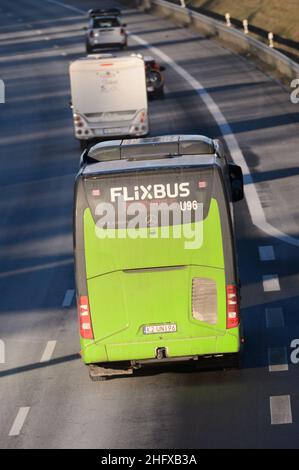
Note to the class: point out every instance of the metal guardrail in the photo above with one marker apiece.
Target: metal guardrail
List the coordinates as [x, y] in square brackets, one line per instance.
[272, 60]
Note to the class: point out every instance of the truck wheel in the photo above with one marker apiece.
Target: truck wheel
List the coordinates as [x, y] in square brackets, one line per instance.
[89, 49]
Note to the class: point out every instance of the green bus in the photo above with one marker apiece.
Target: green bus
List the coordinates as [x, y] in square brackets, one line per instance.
[155, 256]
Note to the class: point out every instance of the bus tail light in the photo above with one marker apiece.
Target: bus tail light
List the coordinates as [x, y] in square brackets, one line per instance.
[139, 120]
[85, 318]
[232, 307]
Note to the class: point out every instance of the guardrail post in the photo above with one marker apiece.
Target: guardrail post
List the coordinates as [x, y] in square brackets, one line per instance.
[271, 40]
[183, 4]
[227, 18]
[245, 25]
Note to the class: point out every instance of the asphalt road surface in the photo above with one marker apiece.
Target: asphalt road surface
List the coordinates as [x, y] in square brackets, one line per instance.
[47, 399]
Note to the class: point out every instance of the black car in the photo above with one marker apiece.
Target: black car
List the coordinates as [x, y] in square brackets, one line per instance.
[154, 77]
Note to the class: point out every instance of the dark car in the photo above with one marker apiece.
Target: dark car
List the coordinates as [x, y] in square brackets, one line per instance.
[154, 77]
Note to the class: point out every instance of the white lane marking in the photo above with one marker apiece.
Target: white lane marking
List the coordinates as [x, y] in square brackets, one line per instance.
[65, 5]
[266, 253]
[253, 201]
[34, 268]
[68, 298]
[48, 352]
[271, 283]
[281, 410]
[19, 421]
[278, 360]
[275, 317]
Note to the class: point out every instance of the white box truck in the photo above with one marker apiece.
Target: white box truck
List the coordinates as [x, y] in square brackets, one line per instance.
[109, 97]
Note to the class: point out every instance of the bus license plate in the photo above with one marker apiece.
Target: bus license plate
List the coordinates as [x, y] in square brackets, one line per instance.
[115, 130]
[156, 329]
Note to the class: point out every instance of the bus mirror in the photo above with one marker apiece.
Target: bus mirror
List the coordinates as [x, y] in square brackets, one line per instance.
[237, 184]
[83, 158]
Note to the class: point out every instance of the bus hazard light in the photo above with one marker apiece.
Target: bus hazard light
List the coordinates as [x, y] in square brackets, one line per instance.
[232, 307]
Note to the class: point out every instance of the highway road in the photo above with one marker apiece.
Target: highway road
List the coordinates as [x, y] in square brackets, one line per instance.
[47, 399]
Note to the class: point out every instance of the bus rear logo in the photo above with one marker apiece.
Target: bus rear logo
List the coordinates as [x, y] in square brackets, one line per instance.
[151, 192]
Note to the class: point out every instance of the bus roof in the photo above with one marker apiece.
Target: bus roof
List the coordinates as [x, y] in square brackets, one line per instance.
[158, 152]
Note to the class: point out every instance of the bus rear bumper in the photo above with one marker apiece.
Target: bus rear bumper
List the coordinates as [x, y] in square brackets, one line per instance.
[103, 371]
[166, 350]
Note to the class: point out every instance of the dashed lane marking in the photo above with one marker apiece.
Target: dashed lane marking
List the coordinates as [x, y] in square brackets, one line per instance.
[19, 421]
[278, 360]
[271, 283]
[48, 352]
[275, 317]
[68, 298]
[266, 253]
[281, 410]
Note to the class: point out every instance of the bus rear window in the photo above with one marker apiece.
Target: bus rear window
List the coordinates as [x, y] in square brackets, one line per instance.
[155, 198]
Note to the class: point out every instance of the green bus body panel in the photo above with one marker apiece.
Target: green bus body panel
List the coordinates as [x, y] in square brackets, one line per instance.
[114, 254]
[122, 302]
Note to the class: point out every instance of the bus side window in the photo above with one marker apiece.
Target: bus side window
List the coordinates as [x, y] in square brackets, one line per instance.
[236, 181]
